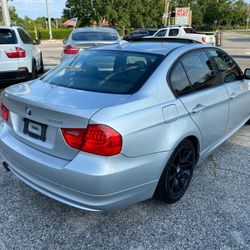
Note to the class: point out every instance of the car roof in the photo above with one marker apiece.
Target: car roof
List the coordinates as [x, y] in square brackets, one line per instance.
[160, 48]
[96, 29]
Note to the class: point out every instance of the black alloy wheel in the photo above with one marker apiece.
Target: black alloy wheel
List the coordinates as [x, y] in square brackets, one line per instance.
[177, 174]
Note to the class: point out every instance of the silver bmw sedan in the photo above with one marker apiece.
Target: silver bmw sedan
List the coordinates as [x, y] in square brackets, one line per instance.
[119, 124]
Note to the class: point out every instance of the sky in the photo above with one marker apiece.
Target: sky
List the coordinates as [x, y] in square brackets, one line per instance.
[37, 8]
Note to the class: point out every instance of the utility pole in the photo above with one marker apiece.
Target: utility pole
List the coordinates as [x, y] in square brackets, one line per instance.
[49, 21]
[5, 12]
[166, 16]
[248, 17]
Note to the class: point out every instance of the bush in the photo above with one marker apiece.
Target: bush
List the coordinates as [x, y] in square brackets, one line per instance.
[56, 33]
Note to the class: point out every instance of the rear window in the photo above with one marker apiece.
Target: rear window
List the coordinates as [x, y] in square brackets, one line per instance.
[94, 36]
[7, 36]
[105, 71]
[189, 30]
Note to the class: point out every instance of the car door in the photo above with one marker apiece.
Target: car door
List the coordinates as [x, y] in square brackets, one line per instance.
[33, 52]
[238, 89]
[173, 32]
[206, 101]
[34, 49]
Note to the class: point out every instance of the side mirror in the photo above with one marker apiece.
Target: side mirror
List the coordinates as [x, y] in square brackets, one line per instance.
[65, 41]
[247, 74]
[37, 42]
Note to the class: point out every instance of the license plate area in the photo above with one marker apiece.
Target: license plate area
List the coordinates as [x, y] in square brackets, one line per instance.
[34, 129]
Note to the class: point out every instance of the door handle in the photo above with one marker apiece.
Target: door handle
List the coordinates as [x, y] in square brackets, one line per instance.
[233, 95]
[198, 108]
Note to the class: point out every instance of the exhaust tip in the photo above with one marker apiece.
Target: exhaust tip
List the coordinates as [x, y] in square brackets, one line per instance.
[6, 166]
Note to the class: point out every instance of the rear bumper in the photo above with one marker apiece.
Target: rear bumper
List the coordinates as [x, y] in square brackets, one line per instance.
[9, 76]
[88, 182]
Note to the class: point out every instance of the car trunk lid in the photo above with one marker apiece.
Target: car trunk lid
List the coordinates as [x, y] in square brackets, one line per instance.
[37, 106]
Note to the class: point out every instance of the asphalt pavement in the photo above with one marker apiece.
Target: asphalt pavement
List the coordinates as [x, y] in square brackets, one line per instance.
[213, 214]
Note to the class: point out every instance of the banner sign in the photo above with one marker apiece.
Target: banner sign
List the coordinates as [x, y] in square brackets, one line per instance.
[183, 16]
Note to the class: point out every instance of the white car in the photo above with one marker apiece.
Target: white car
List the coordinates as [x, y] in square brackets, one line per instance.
[186, 32]
[20, 58]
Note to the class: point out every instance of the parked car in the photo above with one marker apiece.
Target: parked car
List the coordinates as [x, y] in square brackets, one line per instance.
[116, 125]
[84, 38]
[20, 58]
[186, 32]
[138, 34]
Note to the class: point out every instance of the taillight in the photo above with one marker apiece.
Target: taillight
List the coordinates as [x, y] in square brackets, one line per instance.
[16, 53]
[69, 50]
[204, 40]
[96, 139]
[4, 112]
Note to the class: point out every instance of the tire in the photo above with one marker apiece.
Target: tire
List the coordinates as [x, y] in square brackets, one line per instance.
[33, 75]
[41, 70]
[248, 122]
[177, 174]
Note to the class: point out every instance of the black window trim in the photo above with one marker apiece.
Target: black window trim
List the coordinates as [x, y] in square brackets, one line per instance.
[221, 74]
[216, 78]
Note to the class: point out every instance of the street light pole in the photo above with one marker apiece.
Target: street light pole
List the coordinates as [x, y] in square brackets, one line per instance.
[5, 12]
[49, 21]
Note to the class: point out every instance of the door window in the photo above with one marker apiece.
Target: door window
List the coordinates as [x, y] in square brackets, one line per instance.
[226, 66]
[179, 81]
[199, 69]
[173, 32]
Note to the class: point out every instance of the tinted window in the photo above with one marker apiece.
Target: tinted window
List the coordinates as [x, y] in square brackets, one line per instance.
[173, 32]
[161, 33]
[105, 71]
[7, 36]
[94, 36]
[24, 36]
[189, 30]
[179, 80]
[199, 69]
[226, 65]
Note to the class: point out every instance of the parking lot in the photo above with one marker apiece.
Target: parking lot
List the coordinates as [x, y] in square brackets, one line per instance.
[213, 214]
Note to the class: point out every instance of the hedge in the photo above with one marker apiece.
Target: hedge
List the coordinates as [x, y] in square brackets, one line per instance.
[64, 33]
[56, 33]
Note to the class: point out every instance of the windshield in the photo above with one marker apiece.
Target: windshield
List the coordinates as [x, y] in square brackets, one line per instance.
[7, 36]
[105, 71]
[94, 36]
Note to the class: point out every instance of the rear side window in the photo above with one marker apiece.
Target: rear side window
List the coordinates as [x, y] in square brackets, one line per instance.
[7, 36]
[226, 65]
[199, 69]
[24, 36]
[117, 72]
[94, 36]
[179, 81]
[173, 32]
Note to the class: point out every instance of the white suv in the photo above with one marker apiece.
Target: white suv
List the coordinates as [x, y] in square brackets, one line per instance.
[20, 58]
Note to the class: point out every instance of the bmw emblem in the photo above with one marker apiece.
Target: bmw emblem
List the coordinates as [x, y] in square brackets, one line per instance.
[28, 111]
